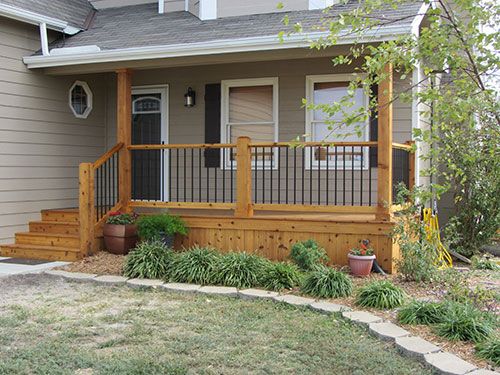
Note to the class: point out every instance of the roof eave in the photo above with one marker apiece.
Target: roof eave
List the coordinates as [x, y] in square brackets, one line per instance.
[32, 18]
[261, 43]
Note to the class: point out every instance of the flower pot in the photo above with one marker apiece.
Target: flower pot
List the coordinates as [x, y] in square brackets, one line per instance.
[361, 265]
[119, 239]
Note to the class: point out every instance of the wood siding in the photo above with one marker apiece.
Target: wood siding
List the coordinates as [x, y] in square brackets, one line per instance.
[230, 8]
[41, 142]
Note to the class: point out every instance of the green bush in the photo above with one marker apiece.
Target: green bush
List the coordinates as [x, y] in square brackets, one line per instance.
[479, 297]
[197, 265]
[307, 255]
[154, 226]
[490, 350]
[466, 323]
[483, 263]
[279, 276]
[241, 270]
[380, 294]
[420, 312]
[149, 260]
[327, 282]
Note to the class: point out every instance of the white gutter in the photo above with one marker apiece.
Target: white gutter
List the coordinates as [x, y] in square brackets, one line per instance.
[37, 19]
[262, 43]
[44, 39]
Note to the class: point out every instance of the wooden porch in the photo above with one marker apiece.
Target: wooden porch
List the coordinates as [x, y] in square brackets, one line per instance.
[256, 197]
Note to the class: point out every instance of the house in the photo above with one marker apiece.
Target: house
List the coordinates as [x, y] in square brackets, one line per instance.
[191, 106]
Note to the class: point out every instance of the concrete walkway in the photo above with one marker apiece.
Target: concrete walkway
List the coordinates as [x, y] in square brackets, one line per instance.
[13, 266]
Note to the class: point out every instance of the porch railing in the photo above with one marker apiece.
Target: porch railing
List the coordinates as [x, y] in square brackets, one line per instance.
[340, 177]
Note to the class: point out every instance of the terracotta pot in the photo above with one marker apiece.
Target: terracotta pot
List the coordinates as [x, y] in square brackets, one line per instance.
[360, 265]
[120, 239]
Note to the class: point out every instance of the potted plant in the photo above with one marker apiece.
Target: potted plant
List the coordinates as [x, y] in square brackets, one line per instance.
[120, 232]
[361, 259]
[163, 227]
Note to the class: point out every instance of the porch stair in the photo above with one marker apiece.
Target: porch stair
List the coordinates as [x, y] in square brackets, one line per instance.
[54, 237]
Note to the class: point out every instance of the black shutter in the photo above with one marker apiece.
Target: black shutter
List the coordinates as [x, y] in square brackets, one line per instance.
[212, 123]
[373, 129]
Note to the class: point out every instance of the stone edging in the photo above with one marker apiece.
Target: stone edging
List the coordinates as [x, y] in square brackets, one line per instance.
[431, 355]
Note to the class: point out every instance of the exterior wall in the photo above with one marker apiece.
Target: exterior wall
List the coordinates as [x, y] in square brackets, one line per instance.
[102, 4]
[41, 142]
[229, 8]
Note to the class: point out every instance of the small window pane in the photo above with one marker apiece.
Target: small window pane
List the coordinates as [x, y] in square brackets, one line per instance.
[251, 104]
[79, 100]
[333, 92]
[146, 104]
[258, 133]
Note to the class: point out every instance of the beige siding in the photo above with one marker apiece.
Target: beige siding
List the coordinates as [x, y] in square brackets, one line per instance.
[41, 142]
[229, 8]
[102, 4]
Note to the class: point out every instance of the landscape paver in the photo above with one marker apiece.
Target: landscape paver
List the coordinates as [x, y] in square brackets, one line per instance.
[387, 331]
[144, 283]
[328, 307]
[219, 290]
[181, 287]
[361, 317]
[445, 363]
[416, 347]
[256, 293]
[294, 300]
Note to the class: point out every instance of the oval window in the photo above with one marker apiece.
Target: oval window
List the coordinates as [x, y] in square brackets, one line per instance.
[80, 99]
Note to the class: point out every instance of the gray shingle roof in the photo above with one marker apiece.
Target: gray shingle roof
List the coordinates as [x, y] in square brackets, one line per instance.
[141, 25]
[75, 12]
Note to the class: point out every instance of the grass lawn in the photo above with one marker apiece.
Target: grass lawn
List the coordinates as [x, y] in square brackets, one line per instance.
[50, 326]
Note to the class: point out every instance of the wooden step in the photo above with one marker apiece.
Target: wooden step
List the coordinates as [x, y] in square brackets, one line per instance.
[58, 227]
[61, 215]
[46, 239]
[40, 252]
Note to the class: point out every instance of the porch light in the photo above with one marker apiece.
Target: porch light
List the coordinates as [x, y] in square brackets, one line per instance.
[190, 98]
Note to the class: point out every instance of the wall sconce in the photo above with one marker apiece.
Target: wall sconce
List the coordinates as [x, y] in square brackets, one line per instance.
[190, 98]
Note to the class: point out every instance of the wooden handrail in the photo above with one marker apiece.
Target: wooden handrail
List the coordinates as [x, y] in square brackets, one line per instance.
[107, 155]
[179, 145]
[402, 146]
[259, 144]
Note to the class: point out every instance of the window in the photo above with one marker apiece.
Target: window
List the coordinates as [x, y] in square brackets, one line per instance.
[80, 99]
[329, 89]
[250, 108]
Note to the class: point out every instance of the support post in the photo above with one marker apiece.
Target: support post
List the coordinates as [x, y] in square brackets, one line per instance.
[124, 134]
[86, 209]
[411, 166]
[244, 205]
[384, 172]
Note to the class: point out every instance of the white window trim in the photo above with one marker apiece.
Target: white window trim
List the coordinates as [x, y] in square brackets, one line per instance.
[310, 81]
[90, 99]
[225, 86]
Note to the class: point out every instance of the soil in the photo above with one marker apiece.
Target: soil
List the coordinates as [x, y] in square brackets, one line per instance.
[102, 263]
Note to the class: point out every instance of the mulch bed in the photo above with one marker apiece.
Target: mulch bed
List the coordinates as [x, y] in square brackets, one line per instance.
[102, 263]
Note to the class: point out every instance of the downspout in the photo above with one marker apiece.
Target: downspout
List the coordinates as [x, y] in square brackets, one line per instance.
[161, 6]
[44, 39]
[186, 5]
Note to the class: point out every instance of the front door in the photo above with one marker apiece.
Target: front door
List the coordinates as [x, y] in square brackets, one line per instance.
[149, 127]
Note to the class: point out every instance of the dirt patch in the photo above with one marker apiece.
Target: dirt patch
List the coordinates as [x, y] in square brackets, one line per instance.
[102, 263]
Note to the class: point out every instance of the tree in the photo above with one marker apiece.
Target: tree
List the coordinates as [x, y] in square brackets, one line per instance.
[455, 52]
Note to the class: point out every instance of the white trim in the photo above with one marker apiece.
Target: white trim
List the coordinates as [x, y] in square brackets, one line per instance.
[163, 90]
[208, 9]
[261, 43]
[161, 6]
[32, 18]
[90, 99]
[43, 39]
[310, 81]
[321, 4]
[227, 84]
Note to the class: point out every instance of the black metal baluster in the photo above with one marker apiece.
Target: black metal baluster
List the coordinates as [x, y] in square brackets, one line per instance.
[336, 167]
[117, 177]
[369, 179]
[327, 175]
[232, 172]
[208, 183]
[271, 178]
[199, 175]
[177, 175]
[184, 176]
[303, 172]
[263, 175]
[97, 182]
[162, 173]
[352, 176]
[215, 184]
[256, 170]
[311, 175]
[223, 175]
[286, 175]
[192, 174]
[319, 175]
[279, 174]
[343, 178]
[361, 179]
[295, 175]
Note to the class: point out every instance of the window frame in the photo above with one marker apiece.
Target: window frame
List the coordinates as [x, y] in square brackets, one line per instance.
[310, 81]
[90, 99]
[226, 85]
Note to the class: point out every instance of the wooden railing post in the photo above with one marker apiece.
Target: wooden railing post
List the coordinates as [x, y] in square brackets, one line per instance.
[86, 208]
[384, 172]
[244, 205]
[411, 166]
[124, 134]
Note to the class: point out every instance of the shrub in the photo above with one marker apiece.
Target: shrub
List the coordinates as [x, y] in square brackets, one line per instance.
[150, 260]
[479, 297]
[418, 252]
[327, 282]
[483, 263]
[420, 312]
[155, 226]
[197, 265]
[241, 270]
[490, 350]
[466, 323]
[279, 276]
[307, 255]
[120, 218]
[380, 294]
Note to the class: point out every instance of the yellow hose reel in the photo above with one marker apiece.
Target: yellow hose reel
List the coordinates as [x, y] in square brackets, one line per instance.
[443, 259]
